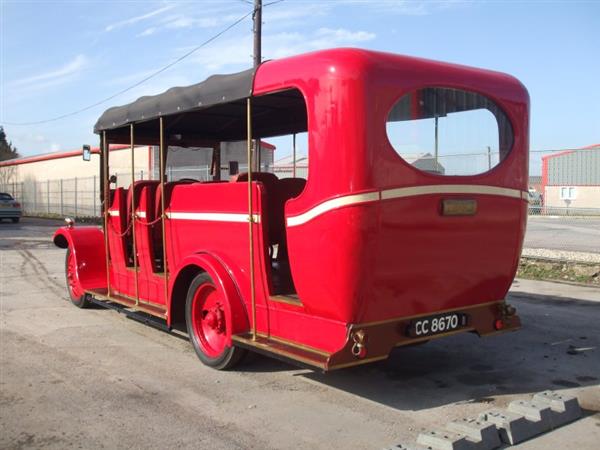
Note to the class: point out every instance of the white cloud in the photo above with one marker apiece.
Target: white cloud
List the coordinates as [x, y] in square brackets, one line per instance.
[147, 32]
[341, 36]
[136, 19]
[55, 76]
[190, 22]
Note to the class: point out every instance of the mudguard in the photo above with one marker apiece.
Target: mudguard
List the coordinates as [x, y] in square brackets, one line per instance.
[87, 246]
[235, 308]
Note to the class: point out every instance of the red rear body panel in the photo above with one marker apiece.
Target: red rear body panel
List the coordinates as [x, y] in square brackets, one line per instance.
[366, 237]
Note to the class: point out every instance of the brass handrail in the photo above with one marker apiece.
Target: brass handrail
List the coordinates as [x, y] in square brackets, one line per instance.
[104, 152]
[134, 250]
[251, 217]
[162, 209]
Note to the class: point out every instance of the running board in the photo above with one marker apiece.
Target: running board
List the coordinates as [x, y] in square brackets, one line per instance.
[286, 351]
[102, 294]
[138, 316]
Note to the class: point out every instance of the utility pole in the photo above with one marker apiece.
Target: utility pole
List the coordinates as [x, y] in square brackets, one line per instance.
[257, 18]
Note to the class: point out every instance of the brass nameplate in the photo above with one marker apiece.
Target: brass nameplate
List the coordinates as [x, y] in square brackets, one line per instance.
[459, 207]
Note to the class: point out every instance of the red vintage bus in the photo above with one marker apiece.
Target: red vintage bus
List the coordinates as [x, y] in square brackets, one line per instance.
[389, 241]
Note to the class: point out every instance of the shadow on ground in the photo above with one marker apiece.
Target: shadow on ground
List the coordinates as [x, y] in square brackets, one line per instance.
[557, 348]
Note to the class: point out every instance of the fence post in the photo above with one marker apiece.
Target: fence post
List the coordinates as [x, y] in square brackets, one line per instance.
[62, 213]
[35, 196]
[76, 193]
[48, 195]
[94, 211]
[141, 174]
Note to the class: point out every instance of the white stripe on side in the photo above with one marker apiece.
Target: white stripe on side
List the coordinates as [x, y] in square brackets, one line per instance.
[332, 204]
[113, 212]
[213, 217]
[449, 189]
[402, 193]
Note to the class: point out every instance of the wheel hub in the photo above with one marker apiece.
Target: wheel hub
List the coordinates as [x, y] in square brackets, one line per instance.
[214, 318]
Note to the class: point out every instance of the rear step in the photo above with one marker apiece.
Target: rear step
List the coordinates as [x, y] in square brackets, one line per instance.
[102, 294]
[285, 351]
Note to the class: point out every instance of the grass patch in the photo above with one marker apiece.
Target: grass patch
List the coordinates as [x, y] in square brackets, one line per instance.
[568, 271]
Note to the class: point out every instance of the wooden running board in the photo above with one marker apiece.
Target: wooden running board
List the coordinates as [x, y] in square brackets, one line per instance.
[154, 310]
[286, 351]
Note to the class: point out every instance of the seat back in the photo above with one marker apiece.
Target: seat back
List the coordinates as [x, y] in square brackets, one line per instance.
[137, 189]
[273, 205]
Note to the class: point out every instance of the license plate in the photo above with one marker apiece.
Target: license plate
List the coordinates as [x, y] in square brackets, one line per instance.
[441, 323]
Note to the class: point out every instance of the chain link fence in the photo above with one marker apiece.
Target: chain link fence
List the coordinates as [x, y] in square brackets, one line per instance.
[559, 228]
[80, 196]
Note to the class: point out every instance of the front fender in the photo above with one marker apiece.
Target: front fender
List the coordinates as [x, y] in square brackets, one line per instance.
[87, 246]
[235, 308]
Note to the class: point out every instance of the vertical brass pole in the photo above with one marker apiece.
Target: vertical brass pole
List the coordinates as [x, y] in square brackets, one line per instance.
[251, 219]
[134, 250]
[436, 141]
[294, 156]
[104, 149]
[162, 209]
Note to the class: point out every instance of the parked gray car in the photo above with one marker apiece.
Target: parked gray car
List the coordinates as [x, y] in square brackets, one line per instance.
[9, 208]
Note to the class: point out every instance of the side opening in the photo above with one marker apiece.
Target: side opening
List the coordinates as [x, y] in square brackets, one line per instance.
[281, 119]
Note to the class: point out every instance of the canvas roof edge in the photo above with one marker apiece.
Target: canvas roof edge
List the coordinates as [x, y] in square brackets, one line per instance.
[216, 89]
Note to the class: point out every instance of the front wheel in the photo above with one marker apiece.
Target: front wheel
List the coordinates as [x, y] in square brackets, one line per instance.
[76, 294]
[207, 325]
[15, 219]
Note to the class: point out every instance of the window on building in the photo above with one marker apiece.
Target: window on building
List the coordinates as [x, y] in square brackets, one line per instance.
[568, 193]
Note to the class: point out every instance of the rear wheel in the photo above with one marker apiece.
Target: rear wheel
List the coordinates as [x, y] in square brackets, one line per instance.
[16, 219]
[207, 325]
[78, 297]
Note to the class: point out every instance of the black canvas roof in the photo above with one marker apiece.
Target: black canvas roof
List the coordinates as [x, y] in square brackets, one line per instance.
[217, 89]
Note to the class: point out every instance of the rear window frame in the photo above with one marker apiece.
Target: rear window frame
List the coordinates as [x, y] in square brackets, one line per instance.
[407, 91]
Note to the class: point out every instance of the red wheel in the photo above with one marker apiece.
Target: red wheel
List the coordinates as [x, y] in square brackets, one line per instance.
[207, 313]
[78, 297]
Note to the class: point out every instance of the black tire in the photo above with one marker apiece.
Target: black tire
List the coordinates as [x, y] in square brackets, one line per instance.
[15, 219]
[230, 356]
[81, 301]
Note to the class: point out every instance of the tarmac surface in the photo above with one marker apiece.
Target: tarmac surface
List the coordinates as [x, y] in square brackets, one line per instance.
[72, 378]
[578, 234]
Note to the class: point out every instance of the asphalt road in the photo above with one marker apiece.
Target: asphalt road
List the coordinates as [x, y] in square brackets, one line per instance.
[563, 233]
[73, 378]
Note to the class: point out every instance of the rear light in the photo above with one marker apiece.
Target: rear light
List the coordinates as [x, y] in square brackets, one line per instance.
[16, 205]
[498, 324]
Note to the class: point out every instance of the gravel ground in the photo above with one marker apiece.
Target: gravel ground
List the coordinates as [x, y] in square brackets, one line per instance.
[562, 255]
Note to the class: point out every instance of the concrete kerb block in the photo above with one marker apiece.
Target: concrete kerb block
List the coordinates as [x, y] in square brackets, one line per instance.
[484, 434]
[537, 412]
[564, 408]
[445, 440]
[512, 427]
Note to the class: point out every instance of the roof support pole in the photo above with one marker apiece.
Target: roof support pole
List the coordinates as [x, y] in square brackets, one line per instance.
[104, 148]
[162, 209]
[134, 250]
[251, 217]
[294, 155]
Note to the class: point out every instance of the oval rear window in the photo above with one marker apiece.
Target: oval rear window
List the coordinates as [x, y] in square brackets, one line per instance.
[449, 131]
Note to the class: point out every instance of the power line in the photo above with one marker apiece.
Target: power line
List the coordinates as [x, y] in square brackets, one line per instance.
[142, 81]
